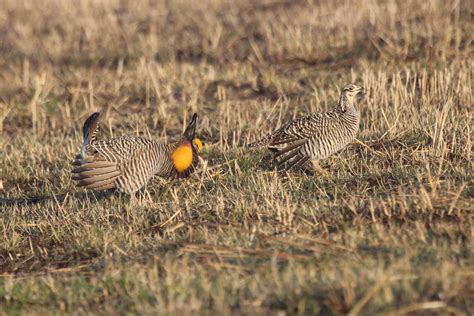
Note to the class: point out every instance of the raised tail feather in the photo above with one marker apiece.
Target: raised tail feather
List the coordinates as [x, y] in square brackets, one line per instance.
[89, 131]
[89, 172]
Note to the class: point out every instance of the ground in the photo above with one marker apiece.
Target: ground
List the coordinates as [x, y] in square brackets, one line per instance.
[387, 231]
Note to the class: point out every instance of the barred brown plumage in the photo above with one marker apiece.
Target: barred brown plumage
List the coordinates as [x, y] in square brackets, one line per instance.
[128, 162]
[315, 136]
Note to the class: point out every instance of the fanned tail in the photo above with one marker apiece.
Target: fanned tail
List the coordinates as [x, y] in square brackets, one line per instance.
[90, 172]
[290, 155]
[93, 174]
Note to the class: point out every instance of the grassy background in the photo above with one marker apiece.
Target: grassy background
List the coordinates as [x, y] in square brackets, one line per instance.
[389, 231]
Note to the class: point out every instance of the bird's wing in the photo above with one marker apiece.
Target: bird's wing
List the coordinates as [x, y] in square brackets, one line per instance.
[288, 140]
[303, 127]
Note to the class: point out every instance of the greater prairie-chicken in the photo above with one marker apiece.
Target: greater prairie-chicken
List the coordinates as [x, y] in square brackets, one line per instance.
[128, 162]
[315, 136]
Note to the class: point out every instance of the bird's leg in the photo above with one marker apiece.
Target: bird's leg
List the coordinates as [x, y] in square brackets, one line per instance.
[140, 199]
[134, 200]
[318, 168]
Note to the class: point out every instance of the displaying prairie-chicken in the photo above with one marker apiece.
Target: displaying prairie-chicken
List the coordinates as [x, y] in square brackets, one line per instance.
[128, 162]
[315, 136]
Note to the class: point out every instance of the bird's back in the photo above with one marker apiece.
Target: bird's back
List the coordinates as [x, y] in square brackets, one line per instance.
[137, 158]
[329, 132]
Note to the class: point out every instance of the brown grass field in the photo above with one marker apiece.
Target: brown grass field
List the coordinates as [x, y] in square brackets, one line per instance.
[389, 231]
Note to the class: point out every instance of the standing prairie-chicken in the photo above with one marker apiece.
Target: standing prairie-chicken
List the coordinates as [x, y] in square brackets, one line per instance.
[128, 162]
[315, 136]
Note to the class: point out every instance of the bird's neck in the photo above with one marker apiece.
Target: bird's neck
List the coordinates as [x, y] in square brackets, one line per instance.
[346, 105]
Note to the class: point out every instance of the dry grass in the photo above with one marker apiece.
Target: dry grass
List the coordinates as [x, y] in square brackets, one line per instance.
[388, 232]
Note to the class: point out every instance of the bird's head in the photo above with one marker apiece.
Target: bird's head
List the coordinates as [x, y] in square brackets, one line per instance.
[184, 156]
[190, 134]
[351, 90]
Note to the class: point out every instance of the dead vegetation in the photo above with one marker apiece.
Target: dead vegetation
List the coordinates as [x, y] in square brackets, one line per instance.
[389, 232]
